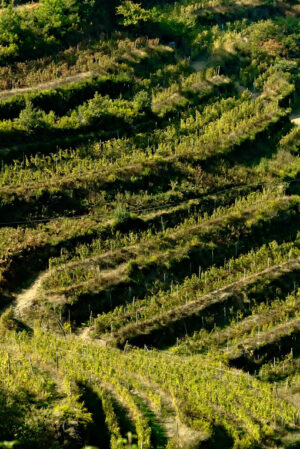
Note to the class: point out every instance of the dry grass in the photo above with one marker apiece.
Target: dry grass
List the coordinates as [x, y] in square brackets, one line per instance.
[5, 94]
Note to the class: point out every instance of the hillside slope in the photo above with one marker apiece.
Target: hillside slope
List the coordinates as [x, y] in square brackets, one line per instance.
[149, 224]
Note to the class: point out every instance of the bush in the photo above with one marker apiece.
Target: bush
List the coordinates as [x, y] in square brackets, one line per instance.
[142, 101]
[31, 119]
[121, 214]
[125, 221]
[8, 320]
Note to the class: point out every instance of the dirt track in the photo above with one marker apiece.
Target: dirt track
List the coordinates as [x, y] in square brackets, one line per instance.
[5, 94]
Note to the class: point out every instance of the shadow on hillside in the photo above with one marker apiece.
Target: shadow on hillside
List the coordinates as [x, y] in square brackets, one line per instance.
[279, 348]
[213, 315]
[158, 435]
[96, 432]
[141, 279]
[220, 439]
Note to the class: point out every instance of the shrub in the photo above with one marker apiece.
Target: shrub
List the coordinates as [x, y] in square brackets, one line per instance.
[121, 214]
[8, 320]
[142, 101]
[31, 119]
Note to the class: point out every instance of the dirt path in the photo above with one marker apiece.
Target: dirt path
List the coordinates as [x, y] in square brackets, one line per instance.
[28, 296]
[295, 117]
[296, 120]
[85, 335]
[187, 437]
[5, 94]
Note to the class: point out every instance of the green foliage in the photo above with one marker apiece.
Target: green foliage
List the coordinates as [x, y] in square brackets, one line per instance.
[44, 28]
[10, 30]
[56, 16]
[63, 99]
[132, 13]
[142, 101]
[7, 320]
[31, 119]
[9, 444]
[121, 215]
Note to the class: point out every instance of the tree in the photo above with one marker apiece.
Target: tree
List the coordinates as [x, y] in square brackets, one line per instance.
[55, 16]
[92, 112]
[132, 13]
[30, 118]
[10, 31]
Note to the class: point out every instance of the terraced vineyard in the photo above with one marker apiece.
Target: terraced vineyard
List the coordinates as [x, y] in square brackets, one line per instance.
[149, 230]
